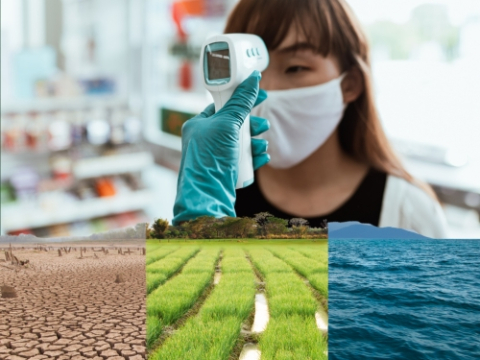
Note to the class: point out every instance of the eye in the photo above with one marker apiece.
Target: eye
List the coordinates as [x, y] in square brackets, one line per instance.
[296, 69]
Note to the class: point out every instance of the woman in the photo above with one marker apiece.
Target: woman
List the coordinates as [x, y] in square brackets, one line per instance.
[330, 158]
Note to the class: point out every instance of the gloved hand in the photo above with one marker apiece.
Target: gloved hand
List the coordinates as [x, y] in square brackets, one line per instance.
[210, 153]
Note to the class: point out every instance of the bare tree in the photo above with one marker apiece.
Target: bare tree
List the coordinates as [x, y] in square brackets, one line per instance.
[298, 222]
[262, 220]
[324, 224]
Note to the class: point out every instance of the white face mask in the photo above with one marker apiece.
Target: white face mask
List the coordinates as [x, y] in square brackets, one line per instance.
[301, 120]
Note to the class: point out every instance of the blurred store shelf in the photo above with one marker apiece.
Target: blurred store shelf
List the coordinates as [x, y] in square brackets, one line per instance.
[112, 164]
[163, 183]
[20, 216]
[166, 112]
[56, 104]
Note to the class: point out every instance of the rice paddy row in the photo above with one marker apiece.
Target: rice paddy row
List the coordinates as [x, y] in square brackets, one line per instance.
[213, 330]
[316, 273]
[159, 271]
[170, 301]
[318, 253]
[292, 332]
[157, 254]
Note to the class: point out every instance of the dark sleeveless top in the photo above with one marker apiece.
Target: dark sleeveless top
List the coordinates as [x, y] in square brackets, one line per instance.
[364, 205]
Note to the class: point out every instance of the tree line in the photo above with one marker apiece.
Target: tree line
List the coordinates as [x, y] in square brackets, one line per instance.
[263, 226]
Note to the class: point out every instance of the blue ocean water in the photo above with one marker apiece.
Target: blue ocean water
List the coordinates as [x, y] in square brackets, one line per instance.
[404, 299]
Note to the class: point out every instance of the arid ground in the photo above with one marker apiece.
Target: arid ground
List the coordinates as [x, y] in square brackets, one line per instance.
[80, 305]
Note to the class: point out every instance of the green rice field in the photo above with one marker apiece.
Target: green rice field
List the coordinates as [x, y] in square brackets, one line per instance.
[227, 299]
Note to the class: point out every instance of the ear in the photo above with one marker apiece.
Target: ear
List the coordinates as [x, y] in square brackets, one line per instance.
[352, 85]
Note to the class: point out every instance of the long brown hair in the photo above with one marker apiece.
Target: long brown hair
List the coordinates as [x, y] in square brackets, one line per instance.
[332, 28]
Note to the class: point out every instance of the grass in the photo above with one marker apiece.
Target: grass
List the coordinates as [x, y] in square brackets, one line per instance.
[315, 271]
[292, 310]
[161, 270]
[318, 253]
[288, 295]
[304, 265]
[198, 340]
[154, 329]
[232, 262]
[320, 283]
[172, 300]
[172, 262]
[267, 263]
[158, 254]
[213, 332]
[303, 340]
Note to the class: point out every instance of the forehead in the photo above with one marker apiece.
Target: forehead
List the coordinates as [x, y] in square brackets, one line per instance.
[294, 35]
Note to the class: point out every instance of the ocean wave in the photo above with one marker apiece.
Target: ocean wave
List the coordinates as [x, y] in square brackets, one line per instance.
[404, 299]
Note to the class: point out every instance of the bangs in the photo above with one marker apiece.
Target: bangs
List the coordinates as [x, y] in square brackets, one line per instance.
[272, 20]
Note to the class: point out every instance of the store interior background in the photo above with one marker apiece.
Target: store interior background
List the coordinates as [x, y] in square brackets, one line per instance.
[94, 93]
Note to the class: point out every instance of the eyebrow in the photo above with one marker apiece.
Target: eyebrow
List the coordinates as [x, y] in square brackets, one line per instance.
[296, 47]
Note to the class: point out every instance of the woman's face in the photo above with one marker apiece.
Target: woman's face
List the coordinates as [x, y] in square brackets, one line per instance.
[295, 64]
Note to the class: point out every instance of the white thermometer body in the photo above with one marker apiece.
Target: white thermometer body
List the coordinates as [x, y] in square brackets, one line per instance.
[226, 61]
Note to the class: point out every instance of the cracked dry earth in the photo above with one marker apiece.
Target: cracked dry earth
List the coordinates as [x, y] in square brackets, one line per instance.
[72, 308]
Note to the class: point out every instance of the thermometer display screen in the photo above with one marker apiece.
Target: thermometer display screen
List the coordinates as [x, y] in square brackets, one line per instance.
[218, 63]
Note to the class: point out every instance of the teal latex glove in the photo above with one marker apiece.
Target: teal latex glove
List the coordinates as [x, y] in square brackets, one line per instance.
[210, 151]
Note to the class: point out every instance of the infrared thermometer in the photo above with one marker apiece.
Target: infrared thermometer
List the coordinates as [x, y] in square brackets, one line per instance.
[227, 60]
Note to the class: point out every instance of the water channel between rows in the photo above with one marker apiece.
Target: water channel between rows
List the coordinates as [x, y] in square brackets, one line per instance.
[251, 351]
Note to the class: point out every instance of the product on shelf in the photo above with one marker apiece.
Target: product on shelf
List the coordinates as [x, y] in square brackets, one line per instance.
[134, 181]
[117, 135]
[85, 191]
[98, 128]
[120, 184]
[35, 132]
[25, 183]
[13, 139]
[59, 230]
[128, 219]
[105, 187]
[99, 225]
[7, 193]
[49, 184]
[19, 232]
[61, 166]
[98, 86]
[59, 132]
[133, 128]
[185, 76]
[77, 128]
